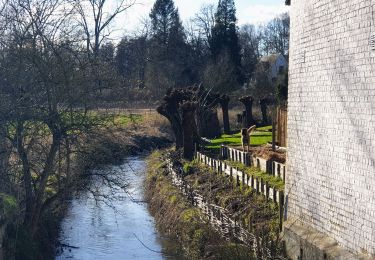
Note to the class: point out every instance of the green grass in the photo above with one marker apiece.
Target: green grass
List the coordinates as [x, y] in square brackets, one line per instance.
[265, 128]
[259, 137]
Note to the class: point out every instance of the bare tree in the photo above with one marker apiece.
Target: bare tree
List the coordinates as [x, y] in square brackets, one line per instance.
[204, 20]
[96, 17]
[46, 94]
[275, 35]
[250, 40]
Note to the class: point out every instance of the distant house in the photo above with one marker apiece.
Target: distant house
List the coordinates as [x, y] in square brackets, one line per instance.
[277, 65]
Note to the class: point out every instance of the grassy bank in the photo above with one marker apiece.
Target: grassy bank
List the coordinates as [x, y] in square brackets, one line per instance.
[177, 218]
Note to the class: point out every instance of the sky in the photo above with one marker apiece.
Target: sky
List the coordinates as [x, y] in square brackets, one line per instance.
[248, 11]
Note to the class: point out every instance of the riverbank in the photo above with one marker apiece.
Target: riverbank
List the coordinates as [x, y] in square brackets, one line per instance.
[120, 228]
[177, 218]
[101, 147]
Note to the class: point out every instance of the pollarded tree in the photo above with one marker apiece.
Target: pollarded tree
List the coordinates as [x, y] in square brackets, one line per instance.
[224, 39]
[188, 126]
[192, 113]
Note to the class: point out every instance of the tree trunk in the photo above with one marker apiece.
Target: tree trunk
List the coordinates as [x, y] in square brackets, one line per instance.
[188, 121]
[224, 102]
[209, 125]
[247, 101]
[177, 132]
[226, 119]
[174, 118]
[47, 171]
[27, 180]
[263, 108]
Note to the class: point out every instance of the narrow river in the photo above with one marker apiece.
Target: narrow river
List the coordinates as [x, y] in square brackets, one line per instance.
[123, 230]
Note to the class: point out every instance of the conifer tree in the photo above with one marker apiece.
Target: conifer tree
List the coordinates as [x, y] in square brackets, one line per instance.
[225, 42]
[168, 50]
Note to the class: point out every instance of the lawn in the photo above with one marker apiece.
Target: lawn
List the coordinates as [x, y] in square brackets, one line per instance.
[260, 136]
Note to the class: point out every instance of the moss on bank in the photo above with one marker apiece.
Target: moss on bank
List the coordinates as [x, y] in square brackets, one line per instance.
[177, 218]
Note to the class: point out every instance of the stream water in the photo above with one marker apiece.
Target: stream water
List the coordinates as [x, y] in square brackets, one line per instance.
[122, 230]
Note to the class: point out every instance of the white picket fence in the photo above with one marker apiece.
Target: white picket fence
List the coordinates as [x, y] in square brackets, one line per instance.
[269, 166]
[257, 183]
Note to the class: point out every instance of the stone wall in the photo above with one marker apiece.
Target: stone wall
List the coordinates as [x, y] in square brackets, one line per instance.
[330, 184]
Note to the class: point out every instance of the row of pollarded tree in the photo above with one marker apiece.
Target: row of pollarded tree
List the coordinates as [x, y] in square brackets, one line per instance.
[192, 113]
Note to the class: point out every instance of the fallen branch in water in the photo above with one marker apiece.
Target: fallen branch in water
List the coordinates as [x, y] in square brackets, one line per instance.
[68, 246]
[159, 252]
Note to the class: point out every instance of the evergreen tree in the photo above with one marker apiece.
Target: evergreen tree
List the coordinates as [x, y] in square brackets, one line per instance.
[224, 40]
[168, 51]
[166, 24]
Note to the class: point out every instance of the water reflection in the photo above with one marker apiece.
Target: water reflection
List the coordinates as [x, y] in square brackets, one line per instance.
[123, 230]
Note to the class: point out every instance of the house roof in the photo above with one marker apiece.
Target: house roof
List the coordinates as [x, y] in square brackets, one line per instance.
[270, 58]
